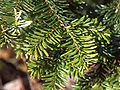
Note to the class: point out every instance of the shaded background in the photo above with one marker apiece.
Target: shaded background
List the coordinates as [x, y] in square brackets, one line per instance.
[13, 75]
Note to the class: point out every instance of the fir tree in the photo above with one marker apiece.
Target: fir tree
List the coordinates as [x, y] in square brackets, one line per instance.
[64, 39]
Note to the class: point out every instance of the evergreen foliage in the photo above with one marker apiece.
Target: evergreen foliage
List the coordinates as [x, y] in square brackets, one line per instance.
[65, 38]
